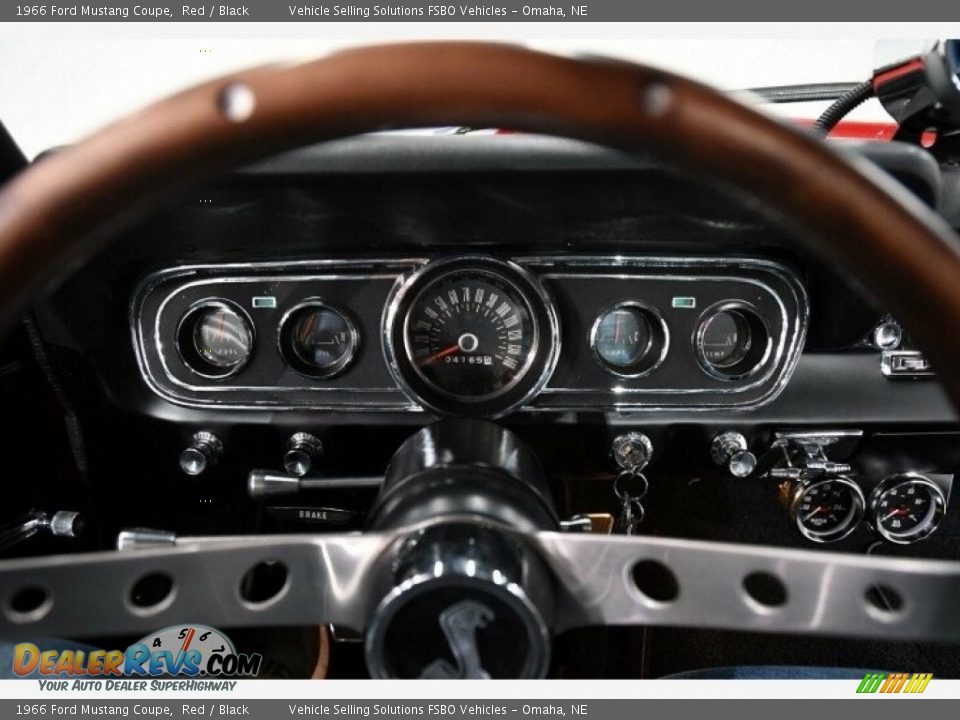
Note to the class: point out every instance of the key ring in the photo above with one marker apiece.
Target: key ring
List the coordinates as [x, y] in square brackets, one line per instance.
[630, 475]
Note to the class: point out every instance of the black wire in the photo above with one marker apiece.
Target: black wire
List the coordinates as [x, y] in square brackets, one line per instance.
[812, 92]
[843, 106]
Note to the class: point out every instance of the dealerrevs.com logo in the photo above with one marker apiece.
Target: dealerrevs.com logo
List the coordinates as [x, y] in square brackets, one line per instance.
[191, 651]
[893, 683]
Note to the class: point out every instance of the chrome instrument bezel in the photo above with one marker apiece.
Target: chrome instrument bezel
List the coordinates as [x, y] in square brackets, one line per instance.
[337, 368]
[730, 306]
[658, 319]
[788, 300]
[859, 508]
[545, 350]
[189, 318]
[938, 507]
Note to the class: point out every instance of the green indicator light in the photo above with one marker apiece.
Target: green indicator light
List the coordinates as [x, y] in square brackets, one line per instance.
[686, 303]
[266, 301]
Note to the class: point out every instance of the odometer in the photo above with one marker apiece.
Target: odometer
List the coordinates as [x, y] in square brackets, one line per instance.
[475, 337]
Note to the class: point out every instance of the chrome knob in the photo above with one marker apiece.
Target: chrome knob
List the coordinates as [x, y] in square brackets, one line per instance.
[632, 451]
[66, 523]
[730, 449]
[303, 452]
[888, 335]
[138, 538]
[203, 452]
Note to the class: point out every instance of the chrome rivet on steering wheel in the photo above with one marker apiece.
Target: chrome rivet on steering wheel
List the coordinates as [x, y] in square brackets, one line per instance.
[237, 102]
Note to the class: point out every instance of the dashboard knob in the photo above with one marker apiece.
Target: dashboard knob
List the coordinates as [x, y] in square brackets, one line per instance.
[730, 449]
[303, 452]
[66, 523]
[632, 451]
[203, 452]
[888, 335]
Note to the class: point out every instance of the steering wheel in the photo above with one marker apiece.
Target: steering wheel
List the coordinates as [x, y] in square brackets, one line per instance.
[473, 540]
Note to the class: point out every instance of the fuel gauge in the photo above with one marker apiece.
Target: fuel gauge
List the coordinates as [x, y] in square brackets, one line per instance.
[215, 339]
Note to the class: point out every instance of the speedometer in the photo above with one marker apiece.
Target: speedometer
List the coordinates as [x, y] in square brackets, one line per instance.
[472, 337]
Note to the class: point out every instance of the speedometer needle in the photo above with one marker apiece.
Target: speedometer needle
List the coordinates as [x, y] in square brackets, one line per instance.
[441, 354]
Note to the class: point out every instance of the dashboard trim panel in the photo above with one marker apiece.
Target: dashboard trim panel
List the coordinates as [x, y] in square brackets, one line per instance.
[542, 269]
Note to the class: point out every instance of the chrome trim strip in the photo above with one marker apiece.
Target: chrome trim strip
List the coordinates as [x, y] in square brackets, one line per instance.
[241, 388]
[353, 270]
[682, 391]
[788, 350]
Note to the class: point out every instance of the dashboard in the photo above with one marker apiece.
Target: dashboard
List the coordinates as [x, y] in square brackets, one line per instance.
[472, 335]
[293, 323]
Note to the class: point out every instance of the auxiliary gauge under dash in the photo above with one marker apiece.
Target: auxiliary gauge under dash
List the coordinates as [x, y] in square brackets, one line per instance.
[472, 336]
[906, 508]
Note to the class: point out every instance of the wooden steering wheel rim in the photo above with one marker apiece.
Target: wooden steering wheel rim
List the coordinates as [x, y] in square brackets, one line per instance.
[65, 207]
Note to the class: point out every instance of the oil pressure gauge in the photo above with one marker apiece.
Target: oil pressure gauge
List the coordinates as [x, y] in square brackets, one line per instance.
[906, 508]
[826, 510]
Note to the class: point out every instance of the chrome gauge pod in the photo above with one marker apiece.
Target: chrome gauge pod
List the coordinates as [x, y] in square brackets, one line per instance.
[827, 510]
[472, 336]
[906, 508]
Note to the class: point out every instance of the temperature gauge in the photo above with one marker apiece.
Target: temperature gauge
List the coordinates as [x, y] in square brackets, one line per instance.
[629, 339]
[318, 340]
[731, 341]
[906, 508]
[827, 510]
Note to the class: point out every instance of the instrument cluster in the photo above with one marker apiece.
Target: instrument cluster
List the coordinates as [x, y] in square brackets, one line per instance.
[472, 335]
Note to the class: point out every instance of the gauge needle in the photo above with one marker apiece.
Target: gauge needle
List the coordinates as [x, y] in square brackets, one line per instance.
[896, 512]
[307, 330]
[818, 509]
[441, 354]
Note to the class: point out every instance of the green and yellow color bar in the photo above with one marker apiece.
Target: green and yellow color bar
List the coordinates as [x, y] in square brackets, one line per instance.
[895, 683]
